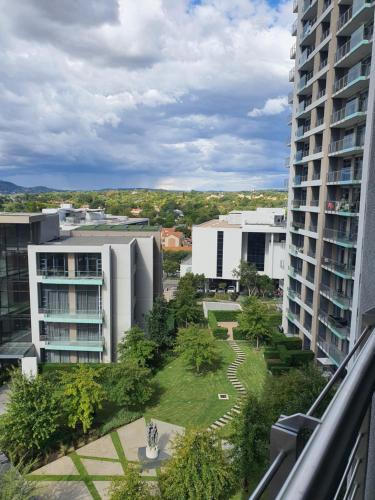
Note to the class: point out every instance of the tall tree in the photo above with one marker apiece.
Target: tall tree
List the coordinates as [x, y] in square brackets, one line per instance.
[254, 320]
[137, 347]
[248, 275]
[187, 310]
[130, 384]
[130, 487]
[160, 324]
[198, 348]
[83, 396]
[32, 417]
[265, 285]
[199, 469]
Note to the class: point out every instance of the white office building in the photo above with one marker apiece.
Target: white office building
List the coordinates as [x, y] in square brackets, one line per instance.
[88, 289]
[256, 236]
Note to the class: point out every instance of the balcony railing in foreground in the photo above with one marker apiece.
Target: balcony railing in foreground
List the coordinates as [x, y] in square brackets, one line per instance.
[331, 465]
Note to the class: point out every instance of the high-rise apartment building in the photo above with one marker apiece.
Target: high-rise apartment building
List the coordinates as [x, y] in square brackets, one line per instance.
[329, 163]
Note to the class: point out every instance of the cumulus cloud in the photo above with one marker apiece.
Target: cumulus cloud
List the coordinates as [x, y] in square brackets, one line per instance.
[123, 93]
[273, 106]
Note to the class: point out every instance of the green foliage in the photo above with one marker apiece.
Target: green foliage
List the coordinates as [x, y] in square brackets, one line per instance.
[136, 347]
[248, 275]
[220, 333]
[225, 315]
[160, 324]
[171, 267]
[14, 486]
[187, 310]
[130, 487]
[286, 352]
[130, 384]
[265, 285]
[199, 469]
[83, 396]
[32, 417]
[197, 347]
[254, 320]
[290, 393]
[239, 334]
[120, 418]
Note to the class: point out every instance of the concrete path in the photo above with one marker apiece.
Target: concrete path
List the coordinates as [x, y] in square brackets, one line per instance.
[229, 325]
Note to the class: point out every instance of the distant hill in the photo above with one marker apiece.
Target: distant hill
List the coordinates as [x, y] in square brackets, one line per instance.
[10, 188]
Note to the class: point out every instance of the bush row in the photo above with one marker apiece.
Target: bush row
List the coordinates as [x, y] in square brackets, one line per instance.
[225, 315]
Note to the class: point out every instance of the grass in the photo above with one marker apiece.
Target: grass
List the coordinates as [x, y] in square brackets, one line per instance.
[119, 449]
[253, 371]
[191, 400]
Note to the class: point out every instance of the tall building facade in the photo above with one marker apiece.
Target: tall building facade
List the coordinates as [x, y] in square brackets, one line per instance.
[329, 165]
[17, 231]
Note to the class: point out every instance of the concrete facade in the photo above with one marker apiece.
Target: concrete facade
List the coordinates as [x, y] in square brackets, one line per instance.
[255, 236]
[86, 291]
[329, 165]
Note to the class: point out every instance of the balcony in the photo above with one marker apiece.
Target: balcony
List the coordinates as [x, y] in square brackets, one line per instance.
[293, 317]
[305, 80]
[343, 238]
[294, 250]
[63, 316]
[292, 74]
[343, 270]
[300, 155]
[349, 144]
[338, 297]
[352, 19]
[296, 204]
[61, 276]
[295, 6]
[305, 55]
[356, 80]
[342, 207]
[350, 115]
[73, 345]
[298, 179]
[293, 294]
[344, 176]
[308, 28]
[293, 50]
[337, 325]
[302, 130]
[353, 50]
[323, 452]
[298, 225]
[294, 28]
[295, 272]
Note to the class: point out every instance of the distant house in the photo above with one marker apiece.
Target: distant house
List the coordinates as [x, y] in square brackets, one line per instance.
[170, 238]
[136, 211]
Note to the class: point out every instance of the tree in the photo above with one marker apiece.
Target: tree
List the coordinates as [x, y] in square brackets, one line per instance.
[137, 347]
[254, 320]
[160, 324]
[247, 273]
[199, 469]
[292, 392]
[170, 267]
[265, 285]
[130, 487]
[83, 396]
[130, 384]
[187, 310]
[198, 348]
[32, 417]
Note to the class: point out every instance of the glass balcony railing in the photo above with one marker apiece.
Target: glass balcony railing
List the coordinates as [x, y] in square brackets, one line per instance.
[298, 203]
[298, 179]
[345, 175]
[302, 129]
[307, 29]
[64, 273]
[295, 271]
[347, 143]
[298, 225]
[294, 250]
[338, 325]
[355, 106]
[351, 12]
[292, 316]
[340, 268]
[58, 343]
[356, 39]
[304, 80]
[333, 351]
[294, 294]
[306, 54]
[358, 71]
[339, 297]
[350, 207]
[347, 238]
[78, 316]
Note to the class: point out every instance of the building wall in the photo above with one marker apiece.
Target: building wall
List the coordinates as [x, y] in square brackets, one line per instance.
[145, 276]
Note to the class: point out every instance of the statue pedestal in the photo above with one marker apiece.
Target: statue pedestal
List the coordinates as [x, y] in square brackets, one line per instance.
[152, 452]
[152, 463]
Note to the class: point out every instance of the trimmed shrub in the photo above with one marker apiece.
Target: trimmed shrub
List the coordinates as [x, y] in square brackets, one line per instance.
[271, 353]
[225, 315]
[220, 333]
[278, 369]
[239, 334]
[299, 358]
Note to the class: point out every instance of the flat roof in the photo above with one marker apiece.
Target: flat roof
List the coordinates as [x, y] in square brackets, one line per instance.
[90, 241]
[21, 217]
[16, 350]
[117, 227]
[218, 223]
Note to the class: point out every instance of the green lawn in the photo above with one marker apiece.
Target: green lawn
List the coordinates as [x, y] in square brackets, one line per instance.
[253, 372]
[191, 400]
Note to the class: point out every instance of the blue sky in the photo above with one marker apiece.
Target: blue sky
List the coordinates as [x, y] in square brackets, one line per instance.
[155, 93]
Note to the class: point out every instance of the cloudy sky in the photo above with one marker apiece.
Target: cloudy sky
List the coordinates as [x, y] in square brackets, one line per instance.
[175, 94]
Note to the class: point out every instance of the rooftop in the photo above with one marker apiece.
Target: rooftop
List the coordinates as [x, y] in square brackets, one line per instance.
[21, 217]
[91, 240]
[117, 227]
[218, 223]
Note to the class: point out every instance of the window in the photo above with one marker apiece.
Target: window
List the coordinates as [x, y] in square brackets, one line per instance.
[219, 253]
[256, 249]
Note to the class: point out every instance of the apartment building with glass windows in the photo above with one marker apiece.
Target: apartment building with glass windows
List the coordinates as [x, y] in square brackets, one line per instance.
[87, 290]
[333, 82]
[17, 231]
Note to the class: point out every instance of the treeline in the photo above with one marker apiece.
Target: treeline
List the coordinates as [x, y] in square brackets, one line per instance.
[165, 208]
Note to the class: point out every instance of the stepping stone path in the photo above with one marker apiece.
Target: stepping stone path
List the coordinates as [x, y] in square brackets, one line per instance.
[232, 377]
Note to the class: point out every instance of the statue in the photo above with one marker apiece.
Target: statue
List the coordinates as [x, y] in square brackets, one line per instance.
[152, 438]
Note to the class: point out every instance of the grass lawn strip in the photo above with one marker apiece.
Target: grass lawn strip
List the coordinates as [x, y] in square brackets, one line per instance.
[191, 400]
[252, 373]
[85, 476]
[51, 477]
[101, 459]
[118, 447]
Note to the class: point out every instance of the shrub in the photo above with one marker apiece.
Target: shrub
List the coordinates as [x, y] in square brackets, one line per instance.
[220, 333]
[225, 315]
[122, 417]
[278, 369]
[239, 334]
[271, 353]
[299, 358]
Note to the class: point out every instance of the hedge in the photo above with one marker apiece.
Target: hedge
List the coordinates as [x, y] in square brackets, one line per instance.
[46, 368]
[278, 369]
[238, 334]
[220, 333]
[225, 315]
[270, 353]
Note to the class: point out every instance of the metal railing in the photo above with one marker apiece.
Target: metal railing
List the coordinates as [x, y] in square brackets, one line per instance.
[339, 267]
[339, 325]
[349, 14]
[358, 71]
[355, 106]
[348, 142]
[338, 296]
[351, 44]
[331, 465]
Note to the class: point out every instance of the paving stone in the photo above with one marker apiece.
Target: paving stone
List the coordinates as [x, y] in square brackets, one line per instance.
[63, 490]
[102, 468]
[132, 437]
[61, 467]
[102, 447]
[103, 488]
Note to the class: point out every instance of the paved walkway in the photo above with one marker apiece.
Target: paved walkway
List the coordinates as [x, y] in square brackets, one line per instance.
[229, 325]
[88, 472]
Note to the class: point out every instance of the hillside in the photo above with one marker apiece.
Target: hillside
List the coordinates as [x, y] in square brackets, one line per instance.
[11, 188]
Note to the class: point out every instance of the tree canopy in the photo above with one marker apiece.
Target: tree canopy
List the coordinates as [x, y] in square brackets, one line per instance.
[187, 309]
[255, 320]
[198, 347]
[135, 346]
[130, 487]
[160, 325]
